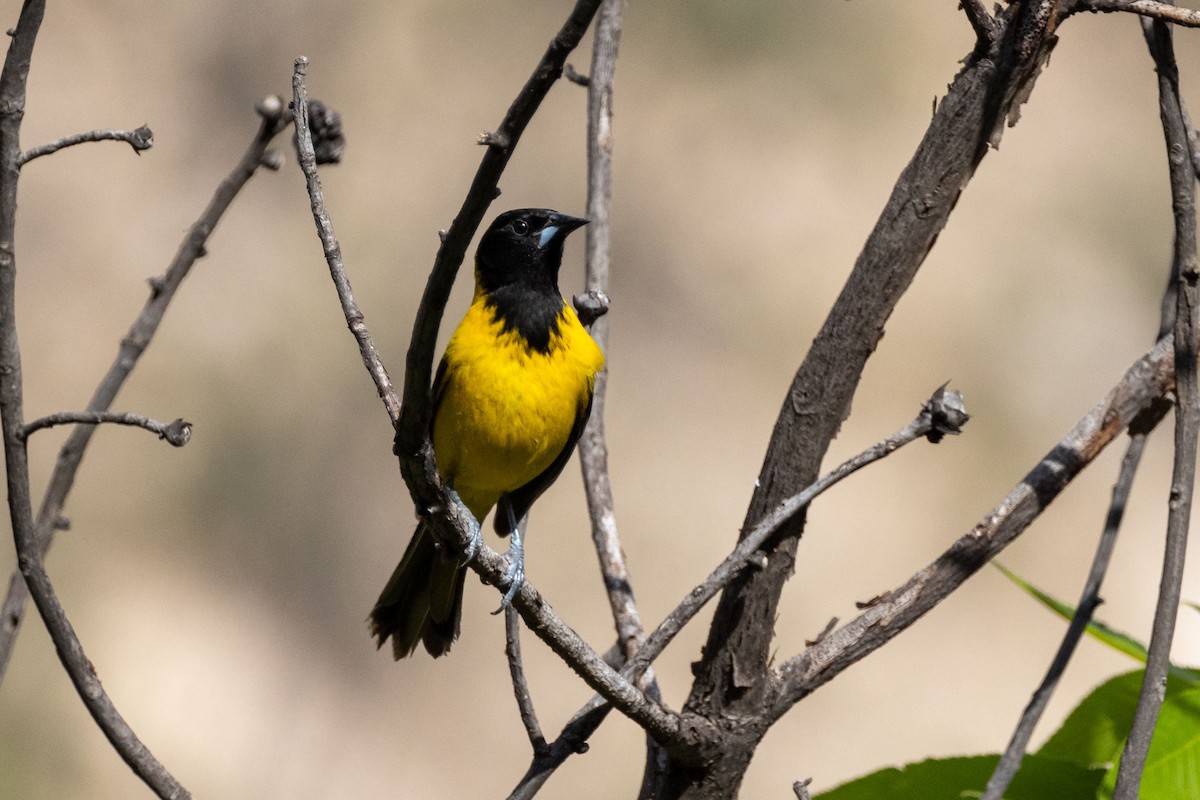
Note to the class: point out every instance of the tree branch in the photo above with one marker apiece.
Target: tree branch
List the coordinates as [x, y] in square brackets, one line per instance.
[140, 139]
[981, 21]
[512, 651]
[29, 556]
[1149, 379]
[1146, 8]
[732, 678]
[177, 433]
[1014, 753]
[942, 413]
[333, 251]
[1187, 412]
[162, 291]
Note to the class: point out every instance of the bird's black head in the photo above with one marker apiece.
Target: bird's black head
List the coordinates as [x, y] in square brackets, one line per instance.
[524, 248]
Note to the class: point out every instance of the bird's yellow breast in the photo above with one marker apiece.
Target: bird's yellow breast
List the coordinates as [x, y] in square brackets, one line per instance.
[506, 410]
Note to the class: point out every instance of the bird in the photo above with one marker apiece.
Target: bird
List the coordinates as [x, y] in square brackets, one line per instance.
[510, 399]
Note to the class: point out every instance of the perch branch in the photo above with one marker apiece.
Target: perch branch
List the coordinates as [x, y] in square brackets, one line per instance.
[1150, 378]
[176, 433]
[29, 553]
[1187, 412]
[450, 522]
[162, 291]
[333, 251]
[139, 139]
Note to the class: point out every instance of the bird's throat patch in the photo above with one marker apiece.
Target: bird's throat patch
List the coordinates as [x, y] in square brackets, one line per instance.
[533, 315]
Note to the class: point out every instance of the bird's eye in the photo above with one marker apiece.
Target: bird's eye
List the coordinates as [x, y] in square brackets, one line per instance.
[520, 227]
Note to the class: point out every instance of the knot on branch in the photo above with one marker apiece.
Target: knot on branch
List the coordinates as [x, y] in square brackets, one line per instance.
[946, 413]
[177, 433]
[328, 136]
[590, 306]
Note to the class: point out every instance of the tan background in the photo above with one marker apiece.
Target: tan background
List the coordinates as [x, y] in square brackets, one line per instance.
[221, 590]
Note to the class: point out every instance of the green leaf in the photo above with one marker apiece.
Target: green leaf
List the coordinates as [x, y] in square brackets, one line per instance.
[965, 777]
[1172, 768]
[1094, 734]
[1121, 642]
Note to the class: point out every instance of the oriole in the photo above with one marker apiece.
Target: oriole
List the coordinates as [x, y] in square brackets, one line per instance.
[511, 396]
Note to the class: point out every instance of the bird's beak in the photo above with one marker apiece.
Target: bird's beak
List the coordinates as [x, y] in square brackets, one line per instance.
[558, 227]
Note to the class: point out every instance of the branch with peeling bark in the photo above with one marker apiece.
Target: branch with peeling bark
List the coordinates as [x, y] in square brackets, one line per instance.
[1145, 8]
[1148, 380]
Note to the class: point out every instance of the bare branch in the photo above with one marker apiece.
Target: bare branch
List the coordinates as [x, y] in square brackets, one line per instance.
[932, 421]
[1014, 753]
[25, 535]
[593, 449]
[1146, 8]
[981, 21]
[140, 139]
[333, 250]
[162, 291]
[1149, 379]
[512, 650]
[1187, 412]
[733, 673]
[572, 741]
[177, 433]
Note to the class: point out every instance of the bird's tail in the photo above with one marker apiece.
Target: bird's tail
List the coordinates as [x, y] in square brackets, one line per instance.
[422, 601]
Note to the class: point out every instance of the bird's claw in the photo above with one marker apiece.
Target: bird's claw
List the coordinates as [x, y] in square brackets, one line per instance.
[516, 568]
[476, 535]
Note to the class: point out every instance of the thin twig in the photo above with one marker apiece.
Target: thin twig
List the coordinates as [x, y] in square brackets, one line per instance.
[333, 250]
[593, 449]
[162, 291]
[1149, 379]
[931, 421]
[572, 741]
[1187, 414]
[29, 556]
[981, 21]
[177, 433]
[941, 415]
[1147, 8]
[1010, 761]
[139, 139]
[512, 650]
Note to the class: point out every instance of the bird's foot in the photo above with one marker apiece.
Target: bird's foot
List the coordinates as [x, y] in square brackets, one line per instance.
[476, 533]
[516, 569]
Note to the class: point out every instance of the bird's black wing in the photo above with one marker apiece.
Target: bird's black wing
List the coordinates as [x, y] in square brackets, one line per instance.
[521, 499]
[439, 389]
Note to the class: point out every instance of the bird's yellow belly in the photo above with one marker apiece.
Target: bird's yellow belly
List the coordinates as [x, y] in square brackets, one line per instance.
[506, 411]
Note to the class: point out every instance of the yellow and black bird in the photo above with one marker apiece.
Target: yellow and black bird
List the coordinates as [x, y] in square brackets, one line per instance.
[510, 399]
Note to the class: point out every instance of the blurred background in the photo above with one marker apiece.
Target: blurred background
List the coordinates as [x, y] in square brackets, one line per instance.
[221, 590]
